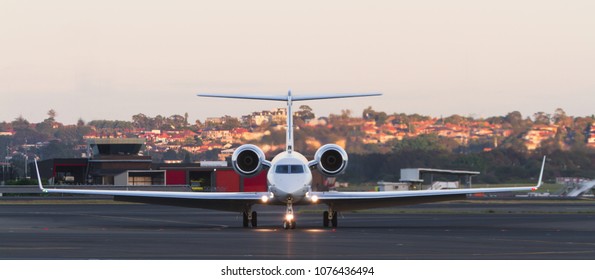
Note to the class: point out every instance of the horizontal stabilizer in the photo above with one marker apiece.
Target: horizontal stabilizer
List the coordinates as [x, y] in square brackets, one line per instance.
[332, 96]
[254, 97]
[288, 96]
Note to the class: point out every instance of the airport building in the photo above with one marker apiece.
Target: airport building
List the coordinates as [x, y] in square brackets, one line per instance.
[118, 162]
[429, 179]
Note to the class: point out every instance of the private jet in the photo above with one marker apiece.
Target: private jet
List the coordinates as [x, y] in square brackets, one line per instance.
[289, 180]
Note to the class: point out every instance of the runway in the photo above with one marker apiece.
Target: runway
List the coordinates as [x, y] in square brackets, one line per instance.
[460, 231]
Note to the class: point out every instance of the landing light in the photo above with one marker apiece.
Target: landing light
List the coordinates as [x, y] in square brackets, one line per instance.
[264, 199]
[289, 217]
[313, 198]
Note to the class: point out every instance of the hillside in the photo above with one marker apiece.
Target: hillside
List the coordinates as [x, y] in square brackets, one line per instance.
[503, 148]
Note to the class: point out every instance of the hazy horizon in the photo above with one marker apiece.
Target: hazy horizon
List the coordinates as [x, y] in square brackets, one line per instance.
[432, 57]
[354, 114]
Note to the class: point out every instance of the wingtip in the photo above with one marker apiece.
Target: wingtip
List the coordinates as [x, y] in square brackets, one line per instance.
[39, 177]
[540, 181]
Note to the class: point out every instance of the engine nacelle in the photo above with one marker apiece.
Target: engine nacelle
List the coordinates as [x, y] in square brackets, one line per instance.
[247, 160]
[332, 160]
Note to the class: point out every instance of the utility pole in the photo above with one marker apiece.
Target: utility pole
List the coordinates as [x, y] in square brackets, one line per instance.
[26, 160]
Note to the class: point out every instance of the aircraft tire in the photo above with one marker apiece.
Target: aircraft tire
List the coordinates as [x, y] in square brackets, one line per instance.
[335, 219]
[245, 219]
[254, 219]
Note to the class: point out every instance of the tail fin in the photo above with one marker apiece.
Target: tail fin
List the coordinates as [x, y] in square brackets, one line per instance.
[289, 99]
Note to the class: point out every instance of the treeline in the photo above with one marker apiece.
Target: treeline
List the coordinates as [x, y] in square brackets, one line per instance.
[506, 162]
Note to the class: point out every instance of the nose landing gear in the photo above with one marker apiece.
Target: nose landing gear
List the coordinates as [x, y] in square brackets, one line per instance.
[289, 222]
[289, 225]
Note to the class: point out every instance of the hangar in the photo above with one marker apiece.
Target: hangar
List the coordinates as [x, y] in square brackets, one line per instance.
[429, 175]
[429, 179]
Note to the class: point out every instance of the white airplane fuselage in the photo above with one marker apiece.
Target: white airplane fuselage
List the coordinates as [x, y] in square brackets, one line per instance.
[289, 179]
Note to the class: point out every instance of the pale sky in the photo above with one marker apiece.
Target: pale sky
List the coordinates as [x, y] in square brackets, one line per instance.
[113, 59]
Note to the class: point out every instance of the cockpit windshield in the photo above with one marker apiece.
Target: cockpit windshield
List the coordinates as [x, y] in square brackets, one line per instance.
[289, 169]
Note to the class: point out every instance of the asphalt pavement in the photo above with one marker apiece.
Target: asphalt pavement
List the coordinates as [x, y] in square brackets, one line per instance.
[459, 231]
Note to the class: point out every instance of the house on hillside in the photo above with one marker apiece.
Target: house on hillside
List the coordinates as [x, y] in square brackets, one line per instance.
[591, 137]
[539, 133]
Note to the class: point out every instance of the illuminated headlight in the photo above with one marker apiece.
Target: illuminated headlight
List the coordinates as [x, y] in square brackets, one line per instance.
[313, 198]
[289, 217]
[264, 199]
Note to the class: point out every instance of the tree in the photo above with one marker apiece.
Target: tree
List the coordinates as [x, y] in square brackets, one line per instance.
[5, 143]
[370, 114]
[559, 116]
[542, 118]
[20, 123]
[4, 126]
[28, 136]
[196, 126]
[177, 121]
[140, 121]
[57, 149]
[425, 142]
[305, 113]
[51, 115]
[187, 156]
[71, 134]
[170, 155]
[456, 119]
[157, 122]
[230, 123]
[210, 155]
[45, 127]
[514, 118]
[580, 132]
[18, 162]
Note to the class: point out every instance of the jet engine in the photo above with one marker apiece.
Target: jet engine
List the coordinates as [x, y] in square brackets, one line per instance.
[331, 160]
[247, 160]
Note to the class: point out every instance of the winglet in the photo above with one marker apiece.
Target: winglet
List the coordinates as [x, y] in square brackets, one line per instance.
[39, 178]
[540, 181]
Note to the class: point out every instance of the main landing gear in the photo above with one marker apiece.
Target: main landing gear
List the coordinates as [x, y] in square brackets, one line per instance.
[250, 217]
[329, 217]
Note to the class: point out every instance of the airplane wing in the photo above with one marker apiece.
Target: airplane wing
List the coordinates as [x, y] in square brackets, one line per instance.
[342, 201]
[235, 202]
[232, 201]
